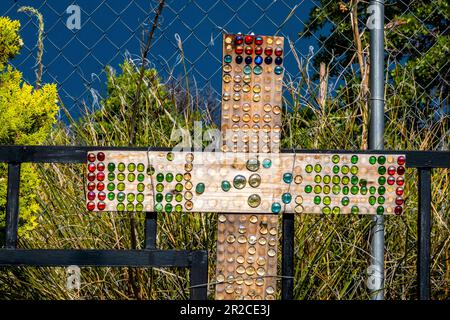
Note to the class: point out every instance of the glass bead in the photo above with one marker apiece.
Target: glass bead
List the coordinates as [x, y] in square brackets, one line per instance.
[309, 168]
[168, 208]
[278, 70]
[372, 159]
[268, 60]
[380, 210]
[381, 160]
[308, 189]
[335, 158]
[317, 189]
[239, 182]
[278, 61]
[276, 207]
[355, 210]
[257, 70]
[258, 60]
[286, 198]
[254, 180]
[254, 200]
[354, 159]
[226, 186]
[287, 177]
[238, 59]
[345, 201]
[120, 207]
[253, 164]
[169, 177]
[248, 60]
[200, 188]
[317, 200]
[326, 210]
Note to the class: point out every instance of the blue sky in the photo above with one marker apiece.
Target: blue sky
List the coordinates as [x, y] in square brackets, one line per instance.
[111, 30]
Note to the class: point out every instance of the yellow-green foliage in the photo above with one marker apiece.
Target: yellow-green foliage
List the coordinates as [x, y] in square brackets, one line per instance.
[26, 117]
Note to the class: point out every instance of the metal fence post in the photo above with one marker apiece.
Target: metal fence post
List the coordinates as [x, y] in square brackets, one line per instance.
[12, 205]
[424, 234]
[376, 132]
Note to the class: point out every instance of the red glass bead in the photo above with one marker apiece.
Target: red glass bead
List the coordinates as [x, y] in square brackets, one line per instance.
[100, 186]
[101, 206]
[248, 50]
[90, 206]
[268, 51]
[399, 201]
[400, 181]
[91, 167]
[91, 176]
[239, 50]
[100, 176]
[399, 191]
[100, 166]
[390, 180]
[101, 196]
[239, 39]
[91, 195]
[91, 186]
[91, 157]
[278, 51]
[401, 160]
[100, 156]
[398, 210]
[401, 170]
[259, 40]
[258, 51]
[391, 171]
[248, 39]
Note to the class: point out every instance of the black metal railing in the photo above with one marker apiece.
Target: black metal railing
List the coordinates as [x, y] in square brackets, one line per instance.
[197, 261]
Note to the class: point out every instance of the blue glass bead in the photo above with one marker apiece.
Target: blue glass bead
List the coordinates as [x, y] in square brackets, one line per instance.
[227, 58]
[268, 60]
[286, 198]
[247, 69]
[276, 207]
[267, 163]
[257, 70]
[258, 60]
[278, 61]
[239, 59]
[248, 59]
[287, 177]
[278, 70]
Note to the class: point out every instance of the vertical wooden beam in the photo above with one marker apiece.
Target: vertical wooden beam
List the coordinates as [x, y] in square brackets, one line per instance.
[12, 205]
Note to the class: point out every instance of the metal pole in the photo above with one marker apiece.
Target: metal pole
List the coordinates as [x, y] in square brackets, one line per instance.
[376, 133]
[424, 233]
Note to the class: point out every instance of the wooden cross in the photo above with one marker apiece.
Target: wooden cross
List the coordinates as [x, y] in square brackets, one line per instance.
[249, 182]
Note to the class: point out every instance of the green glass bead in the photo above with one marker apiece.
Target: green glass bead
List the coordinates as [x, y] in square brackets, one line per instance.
[158, 207]
[317, 179]
[345, 190]
[111, 166]
[336, 179]
[130, 207]
[247, 69]
[317, 168]
[168, 208]
[140, 167]
[267, 163]
[326, 189]
[354, 159]
[178, 177]
[336, 189]
[170, 156]
[169, 177]
[381, 160]
[121, 167]
[326, 179]
[372, 200]
[345, 169]
[354, 180]
[309, 168]
[111, 186]
[150, 170]
[140, 177]
[355, 210]
[380, 210]
[276, 207]
[227, 59]
[363, 182]
[111, 176]
[382, 170]
[278, 70]
[354, 190]
[131, 197]
[111, 196]
[121, 177]
[120, 207]
[336, 210]
[326, 200]
[363, 190]
[317, 189]
[121, 197]
[140, 197]
[345, 180]
[159, 197]
[239, 181]
[254, 200]
[141, 187]
[160, 177]
[381, 200]
[345, 201]
[200, 188]
[179, 197]
[254, 180]
[121, 186]
[286, 198]
[131, 167]
[317, 200]
[226, 186]
[287, 177]
[253, 165]
[372, 190]
[326, 210]
[139, 207]
[178, 208]
[169, 197]
[381, 180]
[131, 177]
[308, 189]
[381, 190]
[159, 187]
[372, 160]
[336, 169]
[179, 187]
[354, 170]
[335, 158]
